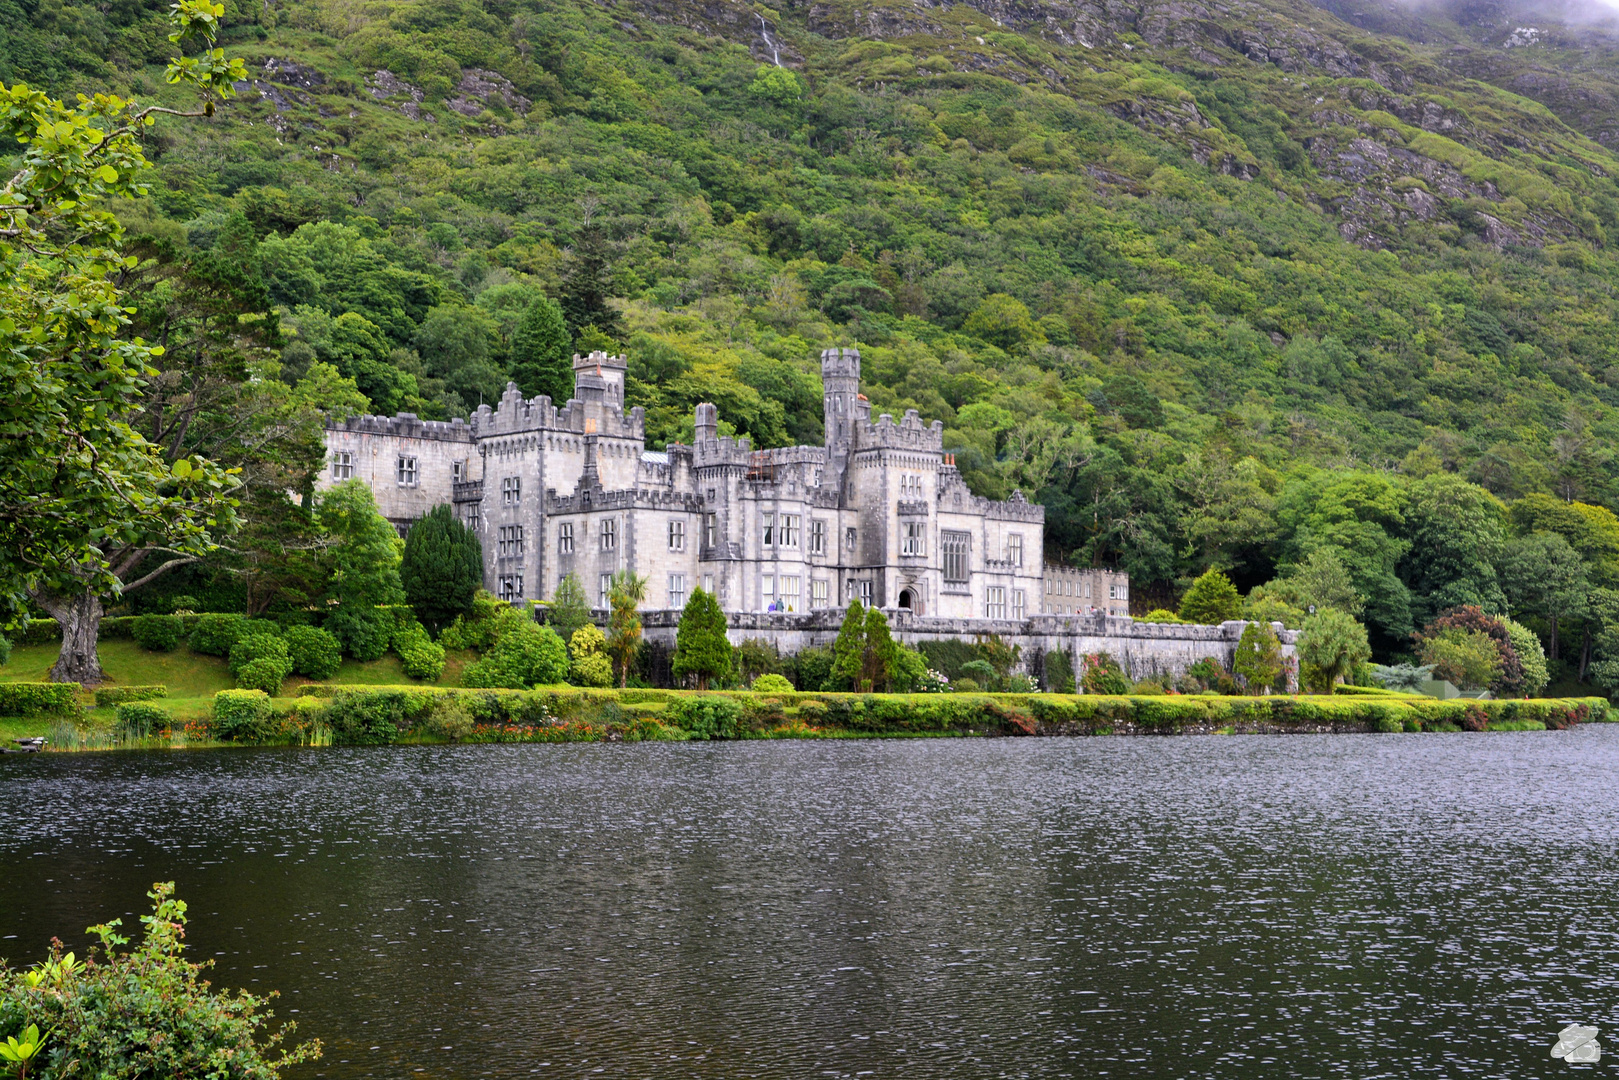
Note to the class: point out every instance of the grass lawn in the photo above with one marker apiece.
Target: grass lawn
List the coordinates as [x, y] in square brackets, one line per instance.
[185, 673]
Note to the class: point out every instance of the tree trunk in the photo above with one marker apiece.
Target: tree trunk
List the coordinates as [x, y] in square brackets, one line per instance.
[80, 619]
[1553, 621]
[1585, 651]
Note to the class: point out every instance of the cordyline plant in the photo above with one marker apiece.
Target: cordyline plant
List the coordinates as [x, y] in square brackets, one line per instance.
[84, 498]
[133, 1015]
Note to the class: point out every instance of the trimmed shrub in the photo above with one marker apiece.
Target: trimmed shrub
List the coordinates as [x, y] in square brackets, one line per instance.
[158, 633]
[423, 660]
[215, 634]
[40, 632]
[525, 654]
[1161, 615]
[965, 685]
[1212, 599]
[39, 699]
[243, 715]
[772, 684]
[117, 695]
[591, 666]
[265, 674]
[706, 716]
[314, 653]
[260, 646]
[140, 720]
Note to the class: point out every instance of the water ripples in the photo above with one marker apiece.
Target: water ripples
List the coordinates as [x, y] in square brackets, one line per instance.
[1196, 907]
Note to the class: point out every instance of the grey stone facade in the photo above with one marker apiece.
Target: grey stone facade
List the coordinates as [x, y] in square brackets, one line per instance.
[784, 537]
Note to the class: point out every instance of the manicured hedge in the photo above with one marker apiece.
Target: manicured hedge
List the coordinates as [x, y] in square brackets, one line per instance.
[140, 720]
[243, 715]
[117, 695]
[381, 714]
[39, 699]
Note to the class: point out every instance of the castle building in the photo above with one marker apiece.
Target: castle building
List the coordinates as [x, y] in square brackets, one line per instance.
[879, 512]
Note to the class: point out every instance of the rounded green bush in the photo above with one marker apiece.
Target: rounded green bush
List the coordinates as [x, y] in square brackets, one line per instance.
[772, 684]
[215, 634]
[965, 685]
[159, 633]
[266, 674]
[259, 647]
[423, 660]
[314, 652]
[243, 715]
[139, 720]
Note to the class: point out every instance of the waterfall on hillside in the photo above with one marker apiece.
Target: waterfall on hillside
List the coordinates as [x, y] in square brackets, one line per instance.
[770, 43]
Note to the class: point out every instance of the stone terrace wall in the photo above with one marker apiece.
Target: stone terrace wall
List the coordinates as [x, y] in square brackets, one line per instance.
[1144, 650]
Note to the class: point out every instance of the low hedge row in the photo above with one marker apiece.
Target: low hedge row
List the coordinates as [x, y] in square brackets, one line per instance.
[116, 627]
[380, 715]
[118, 695]
[39, 699]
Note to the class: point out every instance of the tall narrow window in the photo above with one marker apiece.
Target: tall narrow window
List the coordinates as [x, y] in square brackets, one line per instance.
[405, 469]
[677, 590]
[1019, 602]
[565, 538]
[511, 587]
[609, 534]
[956, 546]
[789, 530]
[604, 593]
[711, 530]
[995, 602]
[677, 535]
[789, 600]
[458, 471]
[511, 491]
[1014, 549]
[767, 593]
[708, 584]
[472, 516]
[817, 537]
[848, 539]
[767, 529]
[914, 540]
[864, 586]
[342, 465]
[818, 594]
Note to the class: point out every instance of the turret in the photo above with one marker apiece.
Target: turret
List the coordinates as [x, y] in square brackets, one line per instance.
[840, 376]
[599, 377]
[706, 424]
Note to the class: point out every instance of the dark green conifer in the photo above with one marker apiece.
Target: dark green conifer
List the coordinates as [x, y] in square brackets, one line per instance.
[701, 648]
[542, 352]
[442, 569]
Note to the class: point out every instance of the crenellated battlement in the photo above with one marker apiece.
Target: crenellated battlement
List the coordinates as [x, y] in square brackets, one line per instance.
[910, 433]
[405, 426]
[517, 414]
[637, 498]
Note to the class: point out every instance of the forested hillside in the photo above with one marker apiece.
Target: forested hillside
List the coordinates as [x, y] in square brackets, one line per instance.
[1219, 286]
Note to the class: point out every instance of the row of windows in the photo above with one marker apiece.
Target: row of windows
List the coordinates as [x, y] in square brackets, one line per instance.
[995, 602]
[407, 471]
[509, 540]
[1069, 587]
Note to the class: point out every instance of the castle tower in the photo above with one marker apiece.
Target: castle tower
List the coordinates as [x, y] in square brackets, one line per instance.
[840, 375]
[599, 377]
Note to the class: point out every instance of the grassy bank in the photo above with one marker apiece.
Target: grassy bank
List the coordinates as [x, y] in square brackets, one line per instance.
[351, 714]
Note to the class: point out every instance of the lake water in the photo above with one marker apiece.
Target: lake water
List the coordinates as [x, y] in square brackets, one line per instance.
[1328, 906]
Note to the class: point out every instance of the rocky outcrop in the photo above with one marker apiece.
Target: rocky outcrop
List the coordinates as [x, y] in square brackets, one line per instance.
[478, 88]
[399, 94]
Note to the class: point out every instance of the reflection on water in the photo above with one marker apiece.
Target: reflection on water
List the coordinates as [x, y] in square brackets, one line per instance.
[1194, 907]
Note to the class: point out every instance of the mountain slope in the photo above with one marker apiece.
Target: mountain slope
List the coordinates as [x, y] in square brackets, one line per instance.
[1146, 260]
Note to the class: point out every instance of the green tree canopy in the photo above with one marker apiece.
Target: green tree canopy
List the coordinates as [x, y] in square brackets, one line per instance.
[569, 608]
[1211, 599]
[365, 558]
[442, 568]
[625, 598]
[1258, 658]
[1545, 577]
[1330, 645]
[849, 650]
[701, 648]
[542, 352]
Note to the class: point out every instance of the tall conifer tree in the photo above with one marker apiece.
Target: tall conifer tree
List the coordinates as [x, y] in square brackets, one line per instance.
[442, 568]
[542, 352]
[701, 648]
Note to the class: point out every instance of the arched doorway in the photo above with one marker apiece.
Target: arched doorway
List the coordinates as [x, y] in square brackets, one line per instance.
[907, 599]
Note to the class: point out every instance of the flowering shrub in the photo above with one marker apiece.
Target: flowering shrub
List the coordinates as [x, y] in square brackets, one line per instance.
[933, 682]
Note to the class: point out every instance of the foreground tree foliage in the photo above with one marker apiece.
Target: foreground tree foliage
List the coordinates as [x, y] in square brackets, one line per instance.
[83, 495]
[141, 1012]
[365, 558]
